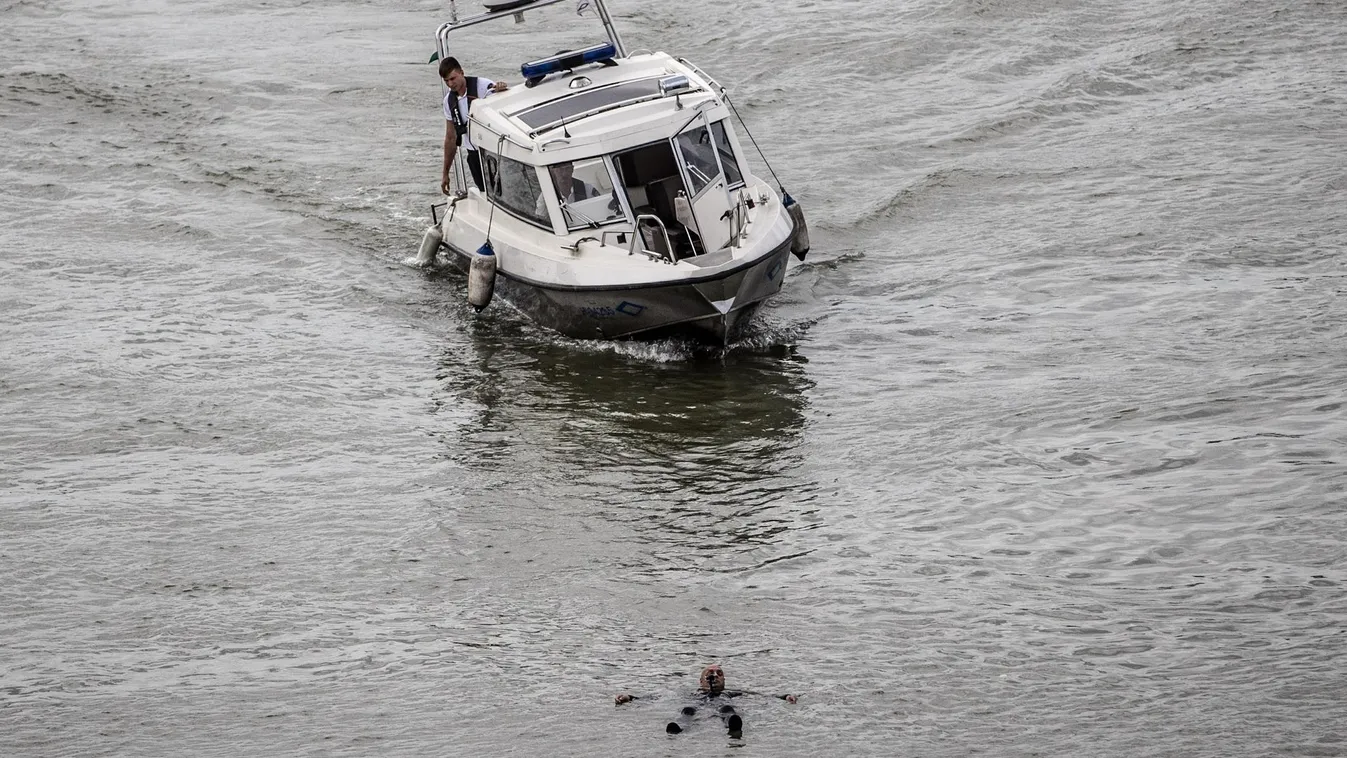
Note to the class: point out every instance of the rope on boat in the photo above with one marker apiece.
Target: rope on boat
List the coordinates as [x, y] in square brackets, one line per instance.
[491, 215]
[761, 154]
[799, 244]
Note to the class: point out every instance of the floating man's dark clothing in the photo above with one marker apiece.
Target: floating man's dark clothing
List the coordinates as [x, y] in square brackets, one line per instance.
[716, 703]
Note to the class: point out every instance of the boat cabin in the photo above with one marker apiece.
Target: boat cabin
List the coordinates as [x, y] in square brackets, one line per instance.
[636, 152]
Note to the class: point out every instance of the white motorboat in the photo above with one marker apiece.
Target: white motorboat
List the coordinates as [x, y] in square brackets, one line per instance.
[618, 203]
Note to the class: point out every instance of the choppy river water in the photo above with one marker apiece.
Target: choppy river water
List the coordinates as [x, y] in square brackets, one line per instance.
[1041, 452]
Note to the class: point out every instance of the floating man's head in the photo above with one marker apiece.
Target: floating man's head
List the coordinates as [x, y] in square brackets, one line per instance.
[713, 680]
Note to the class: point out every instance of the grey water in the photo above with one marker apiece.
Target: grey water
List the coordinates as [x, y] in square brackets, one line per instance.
[1042, 451]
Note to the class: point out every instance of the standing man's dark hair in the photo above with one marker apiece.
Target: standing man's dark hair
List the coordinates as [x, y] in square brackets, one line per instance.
[457, 104]
[449, 64]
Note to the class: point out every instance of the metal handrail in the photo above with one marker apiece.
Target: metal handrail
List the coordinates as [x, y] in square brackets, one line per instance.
[612, 30]
[442, 34]
[482, 18]
[561, 122]
[701, 73]
[636, 235]
[575, 248]
[738, 221]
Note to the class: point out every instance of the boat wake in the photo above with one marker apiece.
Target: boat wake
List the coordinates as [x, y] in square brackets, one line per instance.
[765, 335]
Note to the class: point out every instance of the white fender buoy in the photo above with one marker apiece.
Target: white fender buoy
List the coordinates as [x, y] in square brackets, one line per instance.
[430, 245]
[799, 244]
[482, 276]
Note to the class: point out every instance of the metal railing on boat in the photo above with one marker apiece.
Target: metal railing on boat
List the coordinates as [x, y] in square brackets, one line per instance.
[442, 34]
[702, 74]
[669, 255]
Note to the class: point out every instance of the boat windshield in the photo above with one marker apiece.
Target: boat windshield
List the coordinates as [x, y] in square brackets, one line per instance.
[584, 189]
[600, 98]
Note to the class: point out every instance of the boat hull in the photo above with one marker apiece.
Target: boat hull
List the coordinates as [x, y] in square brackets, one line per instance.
[712, 308]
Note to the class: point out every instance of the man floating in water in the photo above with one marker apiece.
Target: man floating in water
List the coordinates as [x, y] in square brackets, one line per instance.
[710, 691]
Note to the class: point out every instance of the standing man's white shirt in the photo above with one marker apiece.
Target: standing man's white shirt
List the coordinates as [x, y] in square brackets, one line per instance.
[484, 88]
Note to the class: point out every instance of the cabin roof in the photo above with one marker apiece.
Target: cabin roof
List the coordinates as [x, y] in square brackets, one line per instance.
[593, 104]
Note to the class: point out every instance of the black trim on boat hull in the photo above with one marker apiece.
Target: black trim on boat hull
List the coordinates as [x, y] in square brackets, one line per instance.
[712, 308]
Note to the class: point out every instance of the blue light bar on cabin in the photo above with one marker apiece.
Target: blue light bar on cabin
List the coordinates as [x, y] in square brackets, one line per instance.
[568, 60]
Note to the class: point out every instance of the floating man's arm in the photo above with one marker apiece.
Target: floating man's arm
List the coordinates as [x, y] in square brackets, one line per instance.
[787, 697]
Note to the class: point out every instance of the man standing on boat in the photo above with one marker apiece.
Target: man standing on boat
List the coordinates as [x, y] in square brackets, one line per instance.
[457, 101]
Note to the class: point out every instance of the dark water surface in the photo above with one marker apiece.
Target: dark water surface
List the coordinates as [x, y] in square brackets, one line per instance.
[1040, 453]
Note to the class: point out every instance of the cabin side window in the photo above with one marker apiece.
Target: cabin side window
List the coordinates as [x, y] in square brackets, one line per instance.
[733, 175]
[514, 186]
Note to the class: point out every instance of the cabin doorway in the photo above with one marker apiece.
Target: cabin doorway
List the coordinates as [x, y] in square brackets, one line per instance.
[654, 182]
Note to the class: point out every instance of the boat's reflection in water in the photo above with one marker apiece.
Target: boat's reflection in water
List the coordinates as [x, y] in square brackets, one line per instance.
[654, 440]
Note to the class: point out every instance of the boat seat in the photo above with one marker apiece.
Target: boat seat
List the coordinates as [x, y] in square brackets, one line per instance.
[640, 206]
[661, 196]
[654, 241]
[661, 199]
